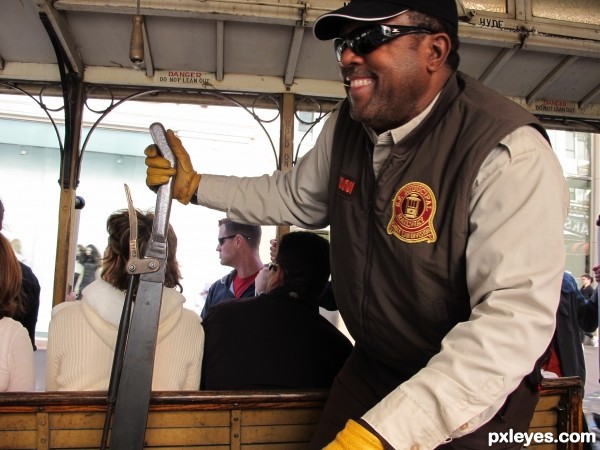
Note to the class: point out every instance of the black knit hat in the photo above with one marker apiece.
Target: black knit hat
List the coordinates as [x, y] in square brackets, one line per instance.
[328, 25]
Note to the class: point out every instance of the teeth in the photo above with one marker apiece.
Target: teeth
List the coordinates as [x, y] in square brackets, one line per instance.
[360, 82]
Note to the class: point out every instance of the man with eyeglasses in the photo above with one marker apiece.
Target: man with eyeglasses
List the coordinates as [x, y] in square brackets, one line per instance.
[238, 247]
[430, 183]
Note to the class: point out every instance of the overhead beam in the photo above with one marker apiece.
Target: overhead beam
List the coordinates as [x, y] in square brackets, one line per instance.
[497, 64]
[17, 71]
[126, 78]
[514, 38]
[555, 73]
[587, 99]
[63, 32]
[559, 108]
[130, 79]
[285, 12]
[118, 76]
[293, 55]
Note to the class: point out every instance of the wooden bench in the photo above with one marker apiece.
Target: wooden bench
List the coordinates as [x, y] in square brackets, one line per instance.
[559, 410]
[206, 420]
[210, 420]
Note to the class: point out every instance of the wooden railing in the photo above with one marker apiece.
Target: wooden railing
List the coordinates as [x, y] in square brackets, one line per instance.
[217, 420]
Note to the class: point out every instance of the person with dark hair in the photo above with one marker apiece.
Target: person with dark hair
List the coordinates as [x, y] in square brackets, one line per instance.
[587, 290]
[82, 335]
[278, 339]
[16, 353]
[565, 353]
[427, 179]
[574, 313]
[238, 247]
[29, 297]
[78, 269]
[326, 301]
[90, 260]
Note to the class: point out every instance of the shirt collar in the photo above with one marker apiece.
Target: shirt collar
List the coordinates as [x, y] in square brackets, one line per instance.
[397, 134]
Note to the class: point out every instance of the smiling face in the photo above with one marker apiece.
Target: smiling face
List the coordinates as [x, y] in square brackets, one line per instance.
[395, 82]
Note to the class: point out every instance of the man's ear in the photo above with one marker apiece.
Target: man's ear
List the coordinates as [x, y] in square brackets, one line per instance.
[439, 49]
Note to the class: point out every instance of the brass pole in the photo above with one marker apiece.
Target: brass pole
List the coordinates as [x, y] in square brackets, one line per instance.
[286, 144]
[67, 215]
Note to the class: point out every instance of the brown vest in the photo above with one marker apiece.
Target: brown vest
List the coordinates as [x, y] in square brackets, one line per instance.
[398, 242]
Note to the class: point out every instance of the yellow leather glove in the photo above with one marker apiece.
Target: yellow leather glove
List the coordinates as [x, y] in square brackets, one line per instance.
[159, 170]
[355, 437]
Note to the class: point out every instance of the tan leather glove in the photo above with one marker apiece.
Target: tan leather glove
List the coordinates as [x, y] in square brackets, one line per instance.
[355, 437]
[159, 170]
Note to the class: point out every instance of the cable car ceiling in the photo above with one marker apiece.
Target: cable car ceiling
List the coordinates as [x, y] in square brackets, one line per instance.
[543, 54]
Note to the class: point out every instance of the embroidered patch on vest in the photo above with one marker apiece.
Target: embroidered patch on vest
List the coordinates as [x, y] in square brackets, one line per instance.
[413, 209]
[345, 186]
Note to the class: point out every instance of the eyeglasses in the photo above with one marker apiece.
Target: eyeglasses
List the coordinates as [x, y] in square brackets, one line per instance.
[222, 239]
[364, 40]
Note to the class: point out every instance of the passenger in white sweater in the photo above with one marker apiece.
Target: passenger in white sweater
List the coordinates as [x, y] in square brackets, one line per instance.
[83, 334]
[16, 353]
[16, 357]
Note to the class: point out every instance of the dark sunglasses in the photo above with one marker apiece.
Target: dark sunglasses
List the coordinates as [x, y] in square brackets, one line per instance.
[222, 239]
[364, 40]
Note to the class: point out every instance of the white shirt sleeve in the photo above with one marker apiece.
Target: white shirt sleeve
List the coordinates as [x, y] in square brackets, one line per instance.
[297, 197]
[515, 263]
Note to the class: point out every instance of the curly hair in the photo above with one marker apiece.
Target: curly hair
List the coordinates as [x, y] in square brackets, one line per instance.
[116, 255]
[94, 256]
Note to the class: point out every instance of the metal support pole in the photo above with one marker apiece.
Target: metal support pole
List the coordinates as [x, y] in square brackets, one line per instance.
[286, 143]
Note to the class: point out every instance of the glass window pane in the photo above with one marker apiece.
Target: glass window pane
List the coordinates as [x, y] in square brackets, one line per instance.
[577, 228]
[574, 150]
[497, 6]
[582, 11]
[306, 131]
[220, 139]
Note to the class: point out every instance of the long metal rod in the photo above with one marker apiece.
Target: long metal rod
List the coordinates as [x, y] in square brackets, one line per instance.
[135, 385]
[117, 367]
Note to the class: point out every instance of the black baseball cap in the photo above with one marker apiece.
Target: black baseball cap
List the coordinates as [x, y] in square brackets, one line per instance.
[328, 25]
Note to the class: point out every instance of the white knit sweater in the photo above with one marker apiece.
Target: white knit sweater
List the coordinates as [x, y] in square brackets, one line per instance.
[83, 334]
[16, 357]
